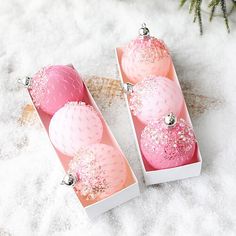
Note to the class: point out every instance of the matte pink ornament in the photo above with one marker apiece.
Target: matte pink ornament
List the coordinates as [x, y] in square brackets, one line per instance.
[73, 126]
[145, 56]
[53, 86]
[154, 97]
[168, 142]
[98, 170]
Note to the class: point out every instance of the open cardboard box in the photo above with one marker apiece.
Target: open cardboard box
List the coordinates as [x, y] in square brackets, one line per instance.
[131, 188]
[151, 175]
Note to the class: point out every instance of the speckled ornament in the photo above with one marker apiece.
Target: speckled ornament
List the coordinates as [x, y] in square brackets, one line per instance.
[75, 125]
[53, 86]
[168, 142]
[145, 56]
[154, 97]
[98, 170]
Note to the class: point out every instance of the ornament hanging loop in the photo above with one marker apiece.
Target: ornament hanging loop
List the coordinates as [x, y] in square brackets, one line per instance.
[144, 31]
[69, 180]
[170, 120]
[127, 87]
[26, 81]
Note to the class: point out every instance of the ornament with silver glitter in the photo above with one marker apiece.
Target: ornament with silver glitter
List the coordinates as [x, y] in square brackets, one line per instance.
[168, 142]
[145, 56]
[96, 172]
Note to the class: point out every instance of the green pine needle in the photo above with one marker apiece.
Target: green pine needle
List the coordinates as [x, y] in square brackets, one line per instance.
[182, 2]
[214, 3]
[212, 12]
[223, 7]
[192, 4]
[199, 16]
[195, 11]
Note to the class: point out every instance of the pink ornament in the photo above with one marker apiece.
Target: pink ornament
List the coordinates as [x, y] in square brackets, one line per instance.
[168, 143]
[73, 126]
[154, 97]
[54, 86]
[145, 56]
[98, 170]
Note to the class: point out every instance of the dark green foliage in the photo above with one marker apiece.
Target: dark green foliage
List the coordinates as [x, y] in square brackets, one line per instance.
[195, 6]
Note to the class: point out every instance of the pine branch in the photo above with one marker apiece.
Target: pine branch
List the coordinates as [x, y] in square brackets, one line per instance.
[223, 7]
[195, 5]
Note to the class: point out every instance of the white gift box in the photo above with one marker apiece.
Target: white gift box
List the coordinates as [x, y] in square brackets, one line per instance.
[151, 175]
[131, 188]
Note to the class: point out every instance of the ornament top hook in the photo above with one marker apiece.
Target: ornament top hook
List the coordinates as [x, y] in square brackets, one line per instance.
[127, 87]
[69, 180]
[144, 31]
[170, 120]
[26, 81]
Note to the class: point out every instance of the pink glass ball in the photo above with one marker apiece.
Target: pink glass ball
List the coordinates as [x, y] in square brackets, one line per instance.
[155, 97]
[75, 125]
[145, 56]
[53, 86]
[166, 147]
[100, 171]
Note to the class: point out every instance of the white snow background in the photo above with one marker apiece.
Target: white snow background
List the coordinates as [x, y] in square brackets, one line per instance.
[85, 33]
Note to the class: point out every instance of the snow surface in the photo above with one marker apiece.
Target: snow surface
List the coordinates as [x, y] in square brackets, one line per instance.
[85, 33]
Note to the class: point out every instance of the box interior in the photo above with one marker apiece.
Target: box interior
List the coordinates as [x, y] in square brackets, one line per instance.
[139, 126]
[107, 138]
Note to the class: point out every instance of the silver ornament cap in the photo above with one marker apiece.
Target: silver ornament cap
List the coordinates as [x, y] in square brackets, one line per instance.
[26, 81]
[127, 87]
[144, 31]
[170, 120]
[69, 180]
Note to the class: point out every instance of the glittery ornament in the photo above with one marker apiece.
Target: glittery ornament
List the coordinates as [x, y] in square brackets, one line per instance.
[74, 125]
[54, 86]
[154, 97]
[97, 171]
[168, 142]
[145, 56]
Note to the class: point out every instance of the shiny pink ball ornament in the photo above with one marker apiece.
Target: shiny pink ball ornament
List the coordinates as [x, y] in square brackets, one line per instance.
[53, 86]
[97, 171]
[145, 56]
[154, 97]
[73, 126]
[168, 142]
